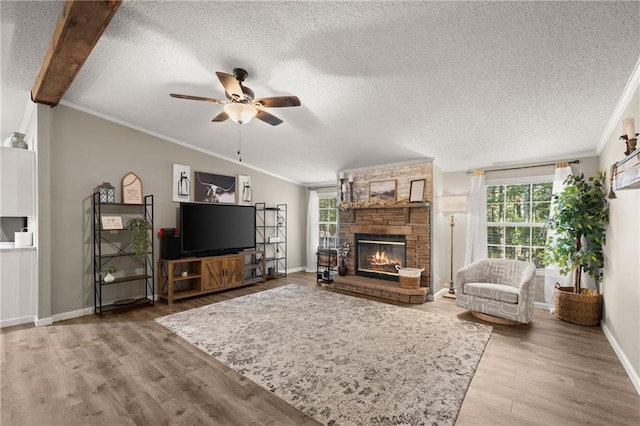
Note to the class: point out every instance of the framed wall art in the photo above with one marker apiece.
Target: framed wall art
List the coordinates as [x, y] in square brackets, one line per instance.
[181, 190]
[244, 188]
[211, 188]
[416, 192]
[382, 192]
[131, 189]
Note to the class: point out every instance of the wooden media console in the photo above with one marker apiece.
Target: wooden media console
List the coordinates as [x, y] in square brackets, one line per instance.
[195, 276]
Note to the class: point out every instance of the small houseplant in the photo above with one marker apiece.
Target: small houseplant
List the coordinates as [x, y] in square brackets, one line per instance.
[140, 238]
[108, 271]
[579, 219]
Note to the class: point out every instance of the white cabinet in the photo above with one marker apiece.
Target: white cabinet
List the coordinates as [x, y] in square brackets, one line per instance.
[17, 182]
[17, 286]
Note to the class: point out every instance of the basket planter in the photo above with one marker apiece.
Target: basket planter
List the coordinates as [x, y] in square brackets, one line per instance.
[577, 308]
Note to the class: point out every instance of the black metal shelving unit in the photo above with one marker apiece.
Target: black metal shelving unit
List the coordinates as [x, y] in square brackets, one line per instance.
[111, 246]
[271, 238]
[326, 264]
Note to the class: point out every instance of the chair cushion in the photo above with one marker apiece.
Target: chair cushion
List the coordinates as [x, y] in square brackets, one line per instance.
[499, 292]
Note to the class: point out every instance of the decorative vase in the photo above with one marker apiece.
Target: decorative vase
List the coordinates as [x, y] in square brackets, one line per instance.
[342, 269]
[109, 278]
[16, 140]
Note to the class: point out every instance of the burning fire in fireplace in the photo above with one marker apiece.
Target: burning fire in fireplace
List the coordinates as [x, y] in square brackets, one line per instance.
[380, 259]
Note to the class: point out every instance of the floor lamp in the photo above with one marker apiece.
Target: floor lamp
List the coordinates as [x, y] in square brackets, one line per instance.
[451, 205]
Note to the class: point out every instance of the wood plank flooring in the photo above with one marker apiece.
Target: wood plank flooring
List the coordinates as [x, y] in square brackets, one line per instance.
[126, 369]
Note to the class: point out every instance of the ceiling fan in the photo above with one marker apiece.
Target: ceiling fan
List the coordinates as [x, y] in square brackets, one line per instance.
[240, 105]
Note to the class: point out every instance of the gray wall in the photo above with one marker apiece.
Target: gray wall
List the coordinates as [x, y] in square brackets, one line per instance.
[87, 150]
[621, 284]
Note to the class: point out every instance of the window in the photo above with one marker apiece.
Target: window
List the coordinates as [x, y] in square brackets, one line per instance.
[328, 223]
[516, 218]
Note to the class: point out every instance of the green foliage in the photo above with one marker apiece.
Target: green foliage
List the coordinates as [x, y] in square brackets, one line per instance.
[140, 238]
[516, 215]
[110, 269]
[581, 210]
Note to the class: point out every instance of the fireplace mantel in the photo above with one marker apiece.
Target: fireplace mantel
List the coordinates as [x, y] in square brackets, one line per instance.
[381, 229]
[357, 206]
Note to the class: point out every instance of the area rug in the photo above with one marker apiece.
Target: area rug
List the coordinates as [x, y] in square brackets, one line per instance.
[340, 359]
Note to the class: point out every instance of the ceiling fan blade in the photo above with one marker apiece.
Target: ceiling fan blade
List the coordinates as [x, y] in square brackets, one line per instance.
[268, 118]
[197, 98]
[231, 85]
[278, 101]
[223, 116]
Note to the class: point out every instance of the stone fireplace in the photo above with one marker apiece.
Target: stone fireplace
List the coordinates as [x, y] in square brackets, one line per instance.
[386, 230]
[379, 255]
[412, 222]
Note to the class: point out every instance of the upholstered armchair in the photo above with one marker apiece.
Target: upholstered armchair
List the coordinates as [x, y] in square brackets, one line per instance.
[497, 290]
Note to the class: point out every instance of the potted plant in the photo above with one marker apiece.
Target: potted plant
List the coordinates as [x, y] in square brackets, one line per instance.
[108, 271]
[579, 219]
[343, 252]
[140, 238]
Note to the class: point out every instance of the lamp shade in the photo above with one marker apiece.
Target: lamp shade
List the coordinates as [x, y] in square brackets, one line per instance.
[453, 204]
[239, 112]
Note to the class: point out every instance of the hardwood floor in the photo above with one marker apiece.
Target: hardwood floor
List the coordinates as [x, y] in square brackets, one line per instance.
[126, 369]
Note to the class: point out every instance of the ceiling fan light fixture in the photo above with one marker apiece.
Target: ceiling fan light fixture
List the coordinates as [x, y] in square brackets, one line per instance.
[240, 112]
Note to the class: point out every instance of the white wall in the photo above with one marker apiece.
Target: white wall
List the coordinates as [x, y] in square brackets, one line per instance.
[87, 150]
[621, 284]
[445, 184]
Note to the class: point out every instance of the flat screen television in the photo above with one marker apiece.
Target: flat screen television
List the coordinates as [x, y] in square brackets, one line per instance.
[213, 229]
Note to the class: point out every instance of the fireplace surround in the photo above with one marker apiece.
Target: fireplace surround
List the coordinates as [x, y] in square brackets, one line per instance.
[411, 220]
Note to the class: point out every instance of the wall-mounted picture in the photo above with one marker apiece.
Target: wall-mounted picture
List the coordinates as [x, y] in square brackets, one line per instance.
[244, 190]
[382, 191]
[210, 188]
[131, 189]
[416, 193]
[181, 178]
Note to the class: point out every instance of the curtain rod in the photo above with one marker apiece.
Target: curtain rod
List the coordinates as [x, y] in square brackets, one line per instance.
[524, 167]
[312, 188]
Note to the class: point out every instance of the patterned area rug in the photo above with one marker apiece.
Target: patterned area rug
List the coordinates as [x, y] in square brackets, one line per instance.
[340, 359]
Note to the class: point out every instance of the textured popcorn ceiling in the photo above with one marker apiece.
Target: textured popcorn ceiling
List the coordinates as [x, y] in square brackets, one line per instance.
[471, 84]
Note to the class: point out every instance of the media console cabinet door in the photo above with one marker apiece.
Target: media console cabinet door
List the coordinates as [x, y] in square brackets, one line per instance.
[234, 268]
[212, 274]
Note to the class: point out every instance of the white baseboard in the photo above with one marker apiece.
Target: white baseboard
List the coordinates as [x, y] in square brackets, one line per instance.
[633, 375]
[16, 321]
[540, 305]
[299, 269]
[73, 314]
[438, 295]
[41, 322]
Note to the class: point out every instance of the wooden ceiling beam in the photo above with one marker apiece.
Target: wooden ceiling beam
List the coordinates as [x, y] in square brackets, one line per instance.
[78, 30]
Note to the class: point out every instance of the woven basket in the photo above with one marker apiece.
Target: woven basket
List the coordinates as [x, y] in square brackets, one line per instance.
[409, 282]
[577, 308]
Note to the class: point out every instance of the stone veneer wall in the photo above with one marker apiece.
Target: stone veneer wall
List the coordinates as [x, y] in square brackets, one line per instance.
[400, 218]
[403, 175]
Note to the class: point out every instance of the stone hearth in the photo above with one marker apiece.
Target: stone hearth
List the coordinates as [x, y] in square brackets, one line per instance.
[380, 288]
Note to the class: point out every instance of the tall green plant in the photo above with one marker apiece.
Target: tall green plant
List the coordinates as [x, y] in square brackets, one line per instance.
[580, 216]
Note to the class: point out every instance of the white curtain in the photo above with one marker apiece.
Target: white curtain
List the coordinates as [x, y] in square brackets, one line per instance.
[476, 219]
[552, 273]
[313, 237]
